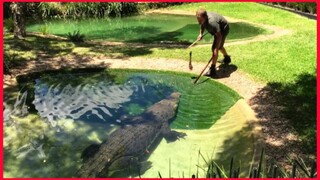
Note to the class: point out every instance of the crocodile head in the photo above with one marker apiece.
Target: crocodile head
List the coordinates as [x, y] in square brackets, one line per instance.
[165, 110]
[174, 100]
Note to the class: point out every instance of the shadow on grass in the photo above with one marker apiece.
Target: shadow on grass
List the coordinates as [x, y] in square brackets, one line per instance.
[39, 48]
[289, 107]
[283, 108]
[225, 70]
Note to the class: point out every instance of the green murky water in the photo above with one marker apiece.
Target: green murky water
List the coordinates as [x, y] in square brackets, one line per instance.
[151, 28]
[59, 114]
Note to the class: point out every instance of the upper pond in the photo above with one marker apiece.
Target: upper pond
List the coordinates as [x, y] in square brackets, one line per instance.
[149, 28]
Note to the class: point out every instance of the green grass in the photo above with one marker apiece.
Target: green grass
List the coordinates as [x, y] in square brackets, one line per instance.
[295, 53]
[286, 64]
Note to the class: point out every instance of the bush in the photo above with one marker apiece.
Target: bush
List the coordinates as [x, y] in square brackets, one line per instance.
[8, 59]
[9, 24]
[76, 36]
[80, 10]
[260, 169]
[49, 10]
[304, 7]
[46, 10]
[160, 5]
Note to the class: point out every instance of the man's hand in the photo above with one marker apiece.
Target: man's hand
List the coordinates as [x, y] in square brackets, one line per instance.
[199, 37]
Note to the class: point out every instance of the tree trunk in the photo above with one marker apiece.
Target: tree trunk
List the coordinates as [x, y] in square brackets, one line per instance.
[18, 12]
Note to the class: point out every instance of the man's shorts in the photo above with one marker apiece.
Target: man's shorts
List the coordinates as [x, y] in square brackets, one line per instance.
[224, 34]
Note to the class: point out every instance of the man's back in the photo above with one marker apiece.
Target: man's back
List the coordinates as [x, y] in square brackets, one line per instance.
[215, 23]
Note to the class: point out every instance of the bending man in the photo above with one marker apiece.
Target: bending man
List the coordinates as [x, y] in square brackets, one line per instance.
[217, 26]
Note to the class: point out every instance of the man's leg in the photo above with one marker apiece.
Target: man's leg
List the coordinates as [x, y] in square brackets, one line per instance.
[212, 70]
[226, 58]
[223, 51]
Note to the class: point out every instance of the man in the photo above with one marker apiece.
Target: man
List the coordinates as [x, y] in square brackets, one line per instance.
[217, 26]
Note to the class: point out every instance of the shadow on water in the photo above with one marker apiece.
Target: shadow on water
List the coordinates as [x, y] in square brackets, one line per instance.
[128, 34]
[293, 107]
[242, 147]
[188, 33]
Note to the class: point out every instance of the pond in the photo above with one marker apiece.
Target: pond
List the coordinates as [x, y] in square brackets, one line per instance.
[59, 114]
[149, 28]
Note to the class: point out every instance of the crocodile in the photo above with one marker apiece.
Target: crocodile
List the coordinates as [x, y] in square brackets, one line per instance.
[127, 145]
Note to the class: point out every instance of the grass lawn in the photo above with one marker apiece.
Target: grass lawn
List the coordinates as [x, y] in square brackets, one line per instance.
[295, 53]
[286, 64]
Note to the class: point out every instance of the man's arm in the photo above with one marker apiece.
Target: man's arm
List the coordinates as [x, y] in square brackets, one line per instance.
[201, 33]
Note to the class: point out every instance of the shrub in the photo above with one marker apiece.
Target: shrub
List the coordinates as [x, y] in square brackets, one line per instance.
[8, 59]
[9, 24]
[80, 10]
[310, 7]
[76, 36]
[262, 169]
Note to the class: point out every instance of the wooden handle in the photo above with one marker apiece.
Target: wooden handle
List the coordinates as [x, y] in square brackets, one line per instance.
[202, 72]
[197, 40]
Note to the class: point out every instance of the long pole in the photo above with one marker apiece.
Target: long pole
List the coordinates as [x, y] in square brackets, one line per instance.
[197, 40]
[190, 54]
[202, 72]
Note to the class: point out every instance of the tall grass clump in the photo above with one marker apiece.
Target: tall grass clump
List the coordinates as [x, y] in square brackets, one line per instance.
[258, 169]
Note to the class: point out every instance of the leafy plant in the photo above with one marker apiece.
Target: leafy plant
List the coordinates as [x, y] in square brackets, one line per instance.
[7, 62]
[299, 169]
[76, 36]
[44, 29]
[9, 24]
[264, 170]
[78, 10]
